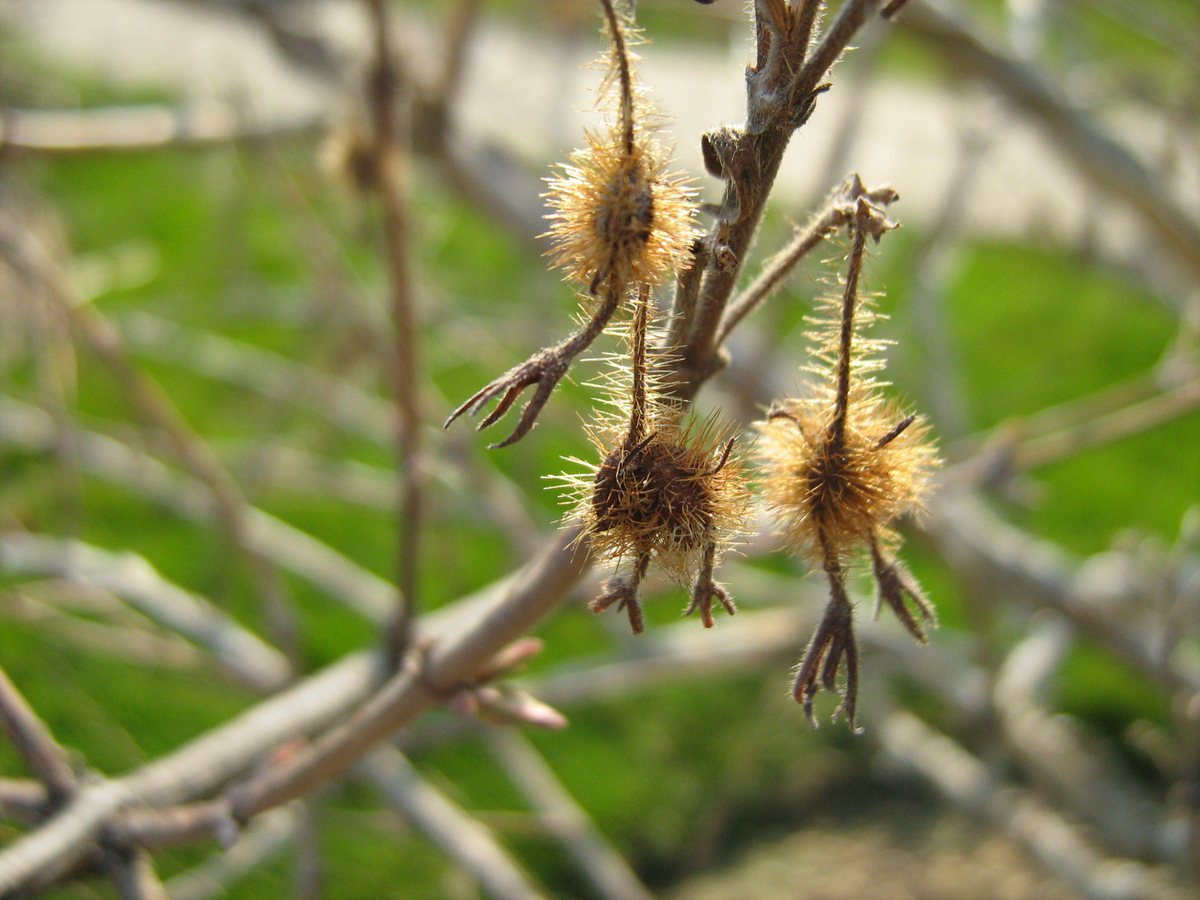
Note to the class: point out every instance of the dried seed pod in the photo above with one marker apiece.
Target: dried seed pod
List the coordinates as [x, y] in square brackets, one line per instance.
[617, 213]
[667, 491]
[839, 468]
[620, 223]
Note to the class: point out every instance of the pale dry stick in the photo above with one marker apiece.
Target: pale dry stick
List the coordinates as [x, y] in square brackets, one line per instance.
[998, 448]
[1055, 842]
[1038, 573]
[1102, 159]
[133, 876]
[384, 93]
[446, 667]
[344, 404]
[781, 93]
[463, 838]
[1083, 775]
[610, 875]
[838, 211]
[288, 547]
[261, 840]
[45, 605]
[28, 257]
[125, 129]
[135, 580]
[934, 261]
[43, 755]
[1173, 403]
[22, 800]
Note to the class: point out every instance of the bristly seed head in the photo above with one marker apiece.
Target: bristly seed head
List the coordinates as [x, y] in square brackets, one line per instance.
[617, 213]
[839, 468]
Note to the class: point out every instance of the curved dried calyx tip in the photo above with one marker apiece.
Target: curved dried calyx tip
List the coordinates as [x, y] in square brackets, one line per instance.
[833, 645]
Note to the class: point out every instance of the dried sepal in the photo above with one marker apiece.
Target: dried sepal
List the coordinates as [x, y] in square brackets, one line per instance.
[545, 369]
[833, 646]
[893, 582]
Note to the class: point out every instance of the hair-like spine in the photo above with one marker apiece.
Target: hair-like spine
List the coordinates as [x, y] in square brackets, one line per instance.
[838, 469]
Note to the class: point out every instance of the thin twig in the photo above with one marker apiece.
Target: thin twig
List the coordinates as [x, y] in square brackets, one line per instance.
[263, 839]
[136, 581]
[964, 780]
[30, 258]
[839, 210]
[1107, 163]
[463, 838]
[1088, 780]
[46, 759]
[750, 159]
[288, 547]
[139, 128]
[134, 877]
[609, 874]
[383, 95]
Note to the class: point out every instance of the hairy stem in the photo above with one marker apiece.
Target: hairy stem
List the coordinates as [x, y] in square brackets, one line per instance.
[837, 429]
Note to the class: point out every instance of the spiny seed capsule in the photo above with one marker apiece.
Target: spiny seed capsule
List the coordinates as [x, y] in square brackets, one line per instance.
[618, 214]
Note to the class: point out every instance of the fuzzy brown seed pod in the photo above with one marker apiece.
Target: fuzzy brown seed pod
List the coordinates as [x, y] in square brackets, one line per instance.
[667, 491]
[620, 224]
[617, 213]
[838, 469]
[840, 495]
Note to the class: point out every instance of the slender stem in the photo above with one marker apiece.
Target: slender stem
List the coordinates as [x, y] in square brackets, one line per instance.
[616, 34]
[383, 99]
[839, 209]
[761, 145]
[29, 258]
[637, 361]
[33, 740]
[837, 429]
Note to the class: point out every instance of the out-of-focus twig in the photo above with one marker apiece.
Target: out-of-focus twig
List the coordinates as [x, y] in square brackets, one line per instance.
[837, 212]
[385, 90]
[287, 546]
[1107, 163]
[27, 256]
[134, 579]
[263, 839]
[463, 838]
[1039, 573]
[966, 782]
[781, 92]
[46, 759]
[22, 800]
[1081, 774]
[610, 876]
[137, 128]
[133, 876]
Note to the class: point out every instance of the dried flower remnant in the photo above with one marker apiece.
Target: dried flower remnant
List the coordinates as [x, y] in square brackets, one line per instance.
[666, 491]
[840, 468]
[620, 222]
